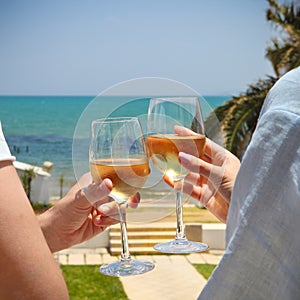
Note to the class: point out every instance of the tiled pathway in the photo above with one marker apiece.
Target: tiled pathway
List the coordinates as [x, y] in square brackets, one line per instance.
[173, 277]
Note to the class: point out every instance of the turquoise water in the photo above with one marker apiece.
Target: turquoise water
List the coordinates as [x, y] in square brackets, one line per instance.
[41, 128]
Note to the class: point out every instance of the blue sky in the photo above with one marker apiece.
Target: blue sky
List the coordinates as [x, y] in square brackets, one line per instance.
[83, 47]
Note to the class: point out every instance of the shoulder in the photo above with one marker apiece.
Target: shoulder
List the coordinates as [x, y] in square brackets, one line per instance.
[285, 94]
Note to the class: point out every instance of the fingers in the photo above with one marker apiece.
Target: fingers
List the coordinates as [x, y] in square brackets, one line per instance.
[195, 179]
[111, 208]
[207, 197]
[202, 194]
[192, 178]
[110, 217]
[192, 185]
[104, 221]
[108, 213]
[95, 193]
[194, 164]
[183, 131]
[106, 209]
[134, 200]
[219, 208]
[212, 151]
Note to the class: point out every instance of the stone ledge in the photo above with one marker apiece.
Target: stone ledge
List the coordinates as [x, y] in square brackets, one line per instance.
[214, 235]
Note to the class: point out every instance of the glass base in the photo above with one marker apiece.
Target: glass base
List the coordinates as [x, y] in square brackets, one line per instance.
[181, 246]
[126, 268]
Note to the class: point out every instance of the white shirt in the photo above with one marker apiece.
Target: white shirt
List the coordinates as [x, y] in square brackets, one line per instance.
[262, 258]
[4, 150]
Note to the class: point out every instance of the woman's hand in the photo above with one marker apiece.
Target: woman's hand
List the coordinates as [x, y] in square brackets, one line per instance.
[81, 214]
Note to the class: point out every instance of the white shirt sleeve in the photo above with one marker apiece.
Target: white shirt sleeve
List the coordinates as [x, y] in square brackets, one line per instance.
[4, 150]
[262, 258]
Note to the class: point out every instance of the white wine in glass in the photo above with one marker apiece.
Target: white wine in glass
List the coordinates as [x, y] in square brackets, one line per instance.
[164, 145]
[128, 175]
[118, 152]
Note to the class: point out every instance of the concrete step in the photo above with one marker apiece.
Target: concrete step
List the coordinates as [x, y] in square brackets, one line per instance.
[136, 235]
[140, 243]
[135, 251]
[141, 237]
[166, 226]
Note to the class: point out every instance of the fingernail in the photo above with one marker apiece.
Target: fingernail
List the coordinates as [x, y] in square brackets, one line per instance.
[105, 185]
[104, 208]
[97, 220]
[101, 188]
[184, 158]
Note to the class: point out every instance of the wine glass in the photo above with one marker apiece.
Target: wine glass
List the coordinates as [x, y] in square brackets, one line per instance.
[118, 152]
[164, 145]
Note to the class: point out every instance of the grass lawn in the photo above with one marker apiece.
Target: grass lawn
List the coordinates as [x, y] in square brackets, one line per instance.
[86, 283]
[205, 269]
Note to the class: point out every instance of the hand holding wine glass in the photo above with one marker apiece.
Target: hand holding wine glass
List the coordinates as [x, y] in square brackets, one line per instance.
[164, 146]
[118, 152]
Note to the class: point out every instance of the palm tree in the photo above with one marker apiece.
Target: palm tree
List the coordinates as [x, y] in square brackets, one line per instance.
[284, 53]
[238, 117]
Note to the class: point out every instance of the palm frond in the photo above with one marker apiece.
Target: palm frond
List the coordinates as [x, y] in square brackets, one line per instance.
[284, 53]
[237, 118]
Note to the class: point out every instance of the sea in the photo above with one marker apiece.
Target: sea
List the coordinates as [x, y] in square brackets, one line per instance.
[43, 128]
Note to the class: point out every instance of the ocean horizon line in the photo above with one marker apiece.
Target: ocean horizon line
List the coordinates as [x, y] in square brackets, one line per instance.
[41, 128]
[87, 95]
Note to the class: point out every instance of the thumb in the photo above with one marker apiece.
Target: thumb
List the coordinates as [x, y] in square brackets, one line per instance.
[95, 192]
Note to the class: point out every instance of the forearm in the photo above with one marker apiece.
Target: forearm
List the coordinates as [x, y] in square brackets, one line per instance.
[68, 222]
[57, 223]
[48, 224]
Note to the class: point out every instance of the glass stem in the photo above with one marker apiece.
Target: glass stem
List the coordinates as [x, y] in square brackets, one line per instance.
[180, 231]
[125, 255]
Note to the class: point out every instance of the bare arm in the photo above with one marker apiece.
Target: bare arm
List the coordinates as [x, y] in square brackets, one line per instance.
[30, 270]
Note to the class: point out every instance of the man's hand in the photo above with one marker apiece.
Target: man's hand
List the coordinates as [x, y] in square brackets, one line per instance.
[211, 178]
